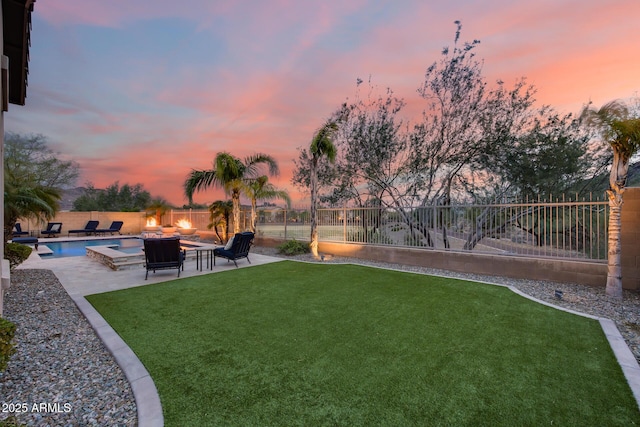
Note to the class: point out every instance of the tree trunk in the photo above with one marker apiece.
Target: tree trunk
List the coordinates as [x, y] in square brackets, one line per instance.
[614, 267]
[254, 215]
[617, 182]
[235, 198]
[313, 245]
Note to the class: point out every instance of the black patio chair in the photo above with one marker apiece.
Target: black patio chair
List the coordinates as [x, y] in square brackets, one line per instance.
[90, 228]
[53, 228]
[162, 254]
[239, 248]
[17, 231]
[115, 227]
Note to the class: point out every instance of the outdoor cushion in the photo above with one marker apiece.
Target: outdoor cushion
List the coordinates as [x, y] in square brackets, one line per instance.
[25, 240]
[229, 244]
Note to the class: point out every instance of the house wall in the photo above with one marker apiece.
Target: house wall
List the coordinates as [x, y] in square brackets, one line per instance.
[5, 280]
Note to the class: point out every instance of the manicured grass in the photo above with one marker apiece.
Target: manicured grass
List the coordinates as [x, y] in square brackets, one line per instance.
[319, 344]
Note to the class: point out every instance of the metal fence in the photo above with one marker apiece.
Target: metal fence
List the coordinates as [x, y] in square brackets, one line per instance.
[561, 229]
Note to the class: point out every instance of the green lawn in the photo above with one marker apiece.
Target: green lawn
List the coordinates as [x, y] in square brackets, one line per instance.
[323, 344]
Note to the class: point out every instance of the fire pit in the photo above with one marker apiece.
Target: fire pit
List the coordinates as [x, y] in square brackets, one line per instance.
[185, 228]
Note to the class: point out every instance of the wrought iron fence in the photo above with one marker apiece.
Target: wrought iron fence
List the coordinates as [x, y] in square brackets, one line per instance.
[562, 228]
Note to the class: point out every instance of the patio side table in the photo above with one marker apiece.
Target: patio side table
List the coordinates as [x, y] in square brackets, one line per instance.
[208, 251]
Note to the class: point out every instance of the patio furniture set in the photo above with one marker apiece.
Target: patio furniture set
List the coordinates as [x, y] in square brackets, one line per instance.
[160, 253]
[166, 253]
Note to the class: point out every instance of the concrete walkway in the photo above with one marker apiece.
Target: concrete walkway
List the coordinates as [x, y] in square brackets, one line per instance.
[81, 276]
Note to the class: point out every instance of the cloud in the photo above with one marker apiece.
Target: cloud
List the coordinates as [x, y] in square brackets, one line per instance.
[144, 91]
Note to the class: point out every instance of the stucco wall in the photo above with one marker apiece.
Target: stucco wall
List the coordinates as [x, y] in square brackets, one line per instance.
[630, 239]
[133, 221]
[562, 271]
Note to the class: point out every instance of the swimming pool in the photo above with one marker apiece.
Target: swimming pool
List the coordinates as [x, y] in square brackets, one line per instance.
[77, 247]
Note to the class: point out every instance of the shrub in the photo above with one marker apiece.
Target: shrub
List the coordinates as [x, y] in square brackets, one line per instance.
[11, 421]
[293, 247]
[16, 253]
[7, 331]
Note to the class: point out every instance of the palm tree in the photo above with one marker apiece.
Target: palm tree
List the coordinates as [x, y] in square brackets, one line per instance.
[261, 189]
[219, 213]
[23, 199]
[158, 207]
[321, 146]
[622, 131]
[229, 173]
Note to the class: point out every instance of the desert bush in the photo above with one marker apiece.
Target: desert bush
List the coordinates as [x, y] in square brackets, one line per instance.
[293, 247]
[7, 346]
[16, 253]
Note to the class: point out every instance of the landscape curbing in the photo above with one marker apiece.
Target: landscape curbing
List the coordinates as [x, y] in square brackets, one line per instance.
[149, 408]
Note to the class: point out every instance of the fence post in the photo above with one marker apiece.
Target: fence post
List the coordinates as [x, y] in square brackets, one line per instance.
[285, 224]
[344, 224]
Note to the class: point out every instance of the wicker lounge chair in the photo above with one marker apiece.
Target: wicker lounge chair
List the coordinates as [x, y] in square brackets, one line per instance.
[162, 254]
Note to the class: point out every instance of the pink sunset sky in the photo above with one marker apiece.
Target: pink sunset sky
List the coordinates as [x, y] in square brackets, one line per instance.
[143, 91]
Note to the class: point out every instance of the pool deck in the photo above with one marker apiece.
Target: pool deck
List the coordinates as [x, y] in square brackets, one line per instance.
[82, 276]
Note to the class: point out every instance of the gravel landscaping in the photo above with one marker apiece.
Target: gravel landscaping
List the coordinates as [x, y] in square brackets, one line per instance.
[61, 363]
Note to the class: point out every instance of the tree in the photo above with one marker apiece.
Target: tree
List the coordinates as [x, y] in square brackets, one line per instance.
[33, 179]
[158, 207]
[231, 174]
[261, 189]
[621, 129]
[321, 147]
[219, 213]
[23, 199]
[30, 158]
[114, 198]
[472, 140]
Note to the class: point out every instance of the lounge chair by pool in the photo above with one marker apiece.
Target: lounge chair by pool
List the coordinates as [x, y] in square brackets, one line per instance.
[17, 231]
[90, 228]
[115, 227]
[53, 228]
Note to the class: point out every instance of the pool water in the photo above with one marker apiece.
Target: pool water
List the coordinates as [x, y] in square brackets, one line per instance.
[77, 247]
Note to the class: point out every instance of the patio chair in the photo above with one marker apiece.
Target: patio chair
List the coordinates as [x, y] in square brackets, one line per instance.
[239, 248]
[53, 228]
[88, 229]
[162, 254]
[115, 227]
[17, 231]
